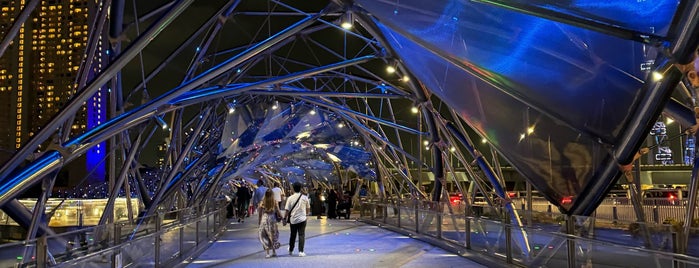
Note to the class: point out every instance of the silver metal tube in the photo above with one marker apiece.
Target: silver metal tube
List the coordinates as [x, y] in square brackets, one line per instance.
[335, 107]
[522, 239]
[155, 104]
[198, 96]
[11, 187]
[87, 92]
[176, 167]
[114, 191]
[295, 92]
[629, 141]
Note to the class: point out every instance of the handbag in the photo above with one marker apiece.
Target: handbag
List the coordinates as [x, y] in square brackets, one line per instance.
[288, 214]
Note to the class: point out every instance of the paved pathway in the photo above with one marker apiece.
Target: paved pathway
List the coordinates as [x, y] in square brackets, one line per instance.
[329, 243]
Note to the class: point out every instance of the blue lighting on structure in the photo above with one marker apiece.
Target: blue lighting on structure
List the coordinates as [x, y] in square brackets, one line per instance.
[94, 158]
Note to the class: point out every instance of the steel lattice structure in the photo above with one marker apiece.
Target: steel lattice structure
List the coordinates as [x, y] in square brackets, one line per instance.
[263, 88]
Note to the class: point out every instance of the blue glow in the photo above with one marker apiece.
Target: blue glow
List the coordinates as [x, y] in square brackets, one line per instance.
[95, 156]
[493, 66]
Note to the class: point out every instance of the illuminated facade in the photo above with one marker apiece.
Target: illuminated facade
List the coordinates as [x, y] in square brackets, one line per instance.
[39, 74]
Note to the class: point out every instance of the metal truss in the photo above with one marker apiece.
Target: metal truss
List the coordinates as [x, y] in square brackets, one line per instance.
[177, 82]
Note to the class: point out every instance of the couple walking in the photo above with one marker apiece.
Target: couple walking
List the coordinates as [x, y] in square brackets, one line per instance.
[296, 207]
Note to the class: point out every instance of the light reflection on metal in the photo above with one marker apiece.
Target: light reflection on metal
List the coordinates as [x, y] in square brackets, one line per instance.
[85, 93]
[522, 239]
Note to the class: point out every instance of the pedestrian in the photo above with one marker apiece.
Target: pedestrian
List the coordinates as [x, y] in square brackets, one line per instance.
[268, 213]
[243, 199]
[259, 193]
[296, 207]
[278, 194]
[317, 204]
[332, 204]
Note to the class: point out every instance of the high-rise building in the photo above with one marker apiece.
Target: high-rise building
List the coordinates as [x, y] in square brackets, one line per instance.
[39, 74]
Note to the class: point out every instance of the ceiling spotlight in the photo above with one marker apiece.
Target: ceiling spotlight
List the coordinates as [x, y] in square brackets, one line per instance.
[312, 112]
[231, 108]
[406, 78]
[657, 76]
[275, 105]
[484, 140]
[425, 142]
[414, 110]
[452, 149]
[669, 120]
[530, 130]
[161, 122]
[347, 21]
[340, 125]
[390, 69]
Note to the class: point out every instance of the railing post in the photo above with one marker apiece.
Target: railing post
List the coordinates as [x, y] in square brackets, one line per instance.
[158, 223]
[385, 212]
[615, 214]
[196, 237]
[570, 230]
[417, 221]
[41, 252]
[180, 216]
[208, 228]
[439, 221]
[508, 240]
[656, 215]
[468, 232]
[116, 255]
[399, 212]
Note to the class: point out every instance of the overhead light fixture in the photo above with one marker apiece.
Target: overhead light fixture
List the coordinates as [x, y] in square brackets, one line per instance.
[347, 21]
[161, 122]
[657, 76]
[275, 105]
[414, 110]
[530, 130]
[231, 107]
[660, 70]
[390, 69]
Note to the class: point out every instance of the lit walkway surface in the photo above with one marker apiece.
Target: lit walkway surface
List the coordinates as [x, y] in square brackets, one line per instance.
[336, 243]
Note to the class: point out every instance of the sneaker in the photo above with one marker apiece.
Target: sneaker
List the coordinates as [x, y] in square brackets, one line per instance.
[301, 254]
[268, 256]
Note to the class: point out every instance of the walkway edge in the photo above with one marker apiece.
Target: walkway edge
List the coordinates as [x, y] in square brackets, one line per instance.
[446, 245]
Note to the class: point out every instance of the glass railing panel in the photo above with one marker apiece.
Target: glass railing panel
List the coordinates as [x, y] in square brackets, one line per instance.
[453, 229]
[392, 212]
[17, 252]
[429, 222]
[101, 259]
[407, 218]
[140, 251]
[202, 231]
[189, 237]
[169, 244]
[486, 236]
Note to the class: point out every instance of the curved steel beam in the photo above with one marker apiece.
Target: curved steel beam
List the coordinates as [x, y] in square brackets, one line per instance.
[86, 92]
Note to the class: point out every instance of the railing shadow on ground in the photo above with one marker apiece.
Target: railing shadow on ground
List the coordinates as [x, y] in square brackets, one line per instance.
[477, 232]
[161, 240]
